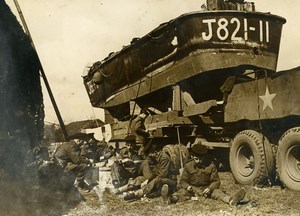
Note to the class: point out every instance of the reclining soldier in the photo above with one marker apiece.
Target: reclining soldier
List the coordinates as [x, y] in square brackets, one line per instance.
[164, 178]
[200, 178]
[145, 174]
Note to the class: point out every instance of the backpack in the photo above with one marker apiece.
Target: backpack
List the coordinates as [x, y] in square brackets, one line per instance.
[179, 155]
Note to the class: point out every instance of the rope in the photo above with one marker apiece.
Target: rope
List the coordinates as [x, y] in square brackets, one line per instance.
[94, 117]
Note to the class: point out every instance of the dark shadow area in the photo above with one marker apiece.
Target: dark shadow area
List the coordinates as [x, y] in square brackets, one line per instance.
[19, 198]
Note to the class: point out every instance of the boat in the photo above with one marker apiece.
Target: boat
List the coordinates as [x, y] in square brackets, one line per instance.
[197, 51]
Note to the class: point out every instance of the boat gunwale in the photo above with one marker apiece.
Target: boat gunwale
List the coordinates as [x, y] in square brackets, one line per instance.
[174, 22]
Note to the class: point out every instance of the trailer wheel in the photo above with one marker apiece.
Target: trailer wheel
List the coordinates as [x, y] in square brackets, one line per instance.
[251, 158]
[288, 158]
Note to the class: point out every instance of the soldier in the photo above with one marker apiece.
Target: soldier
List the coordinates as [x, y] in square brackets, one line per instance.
[125, 167]
[200, 178]
[164, 179]
[35, 160]
[138, 129]
[68, 156]
[145, 174]
[87, 149]
[103, 151]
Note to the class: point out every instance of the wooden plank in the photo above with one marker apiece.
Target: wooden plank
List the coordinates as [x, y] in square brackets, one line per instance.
[176, 103]
[199, 108]
[188, 99]
[217, 144]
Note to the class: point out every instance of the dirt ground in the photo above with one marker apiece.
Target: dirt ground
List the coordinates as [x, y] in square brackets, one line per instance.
[258, 201]
[23, 200]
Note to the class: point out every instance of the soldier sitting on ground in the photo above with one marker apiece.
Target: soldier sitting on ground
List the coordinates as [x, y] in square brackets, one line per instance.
[35, 160]
[68, 156]
[200, 178]
[42, 171]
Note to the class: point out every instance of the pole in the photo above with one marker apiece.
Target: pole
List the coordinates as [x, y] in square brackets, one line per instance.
[60, 120]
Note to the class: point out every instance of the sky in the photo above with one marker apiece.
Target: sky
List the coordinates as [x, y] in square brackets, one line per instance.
[69, 34]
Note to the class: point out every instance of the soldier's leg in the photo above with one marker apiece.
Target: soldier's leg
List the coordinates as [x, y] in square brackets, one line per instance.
[181, 195]
[220, 195]
[171, 183]
[146, 169]
[152, 185]
[80, 170]
[148, 189]
[231, 200]
[132, 185]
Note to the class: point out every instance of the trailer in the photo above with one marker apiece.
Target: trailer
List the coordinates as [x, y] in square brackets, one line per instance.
[209, 77]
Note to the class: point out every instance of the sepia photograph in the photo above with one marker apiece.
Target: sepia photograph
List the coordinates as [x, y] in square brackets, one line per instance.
[161, 107]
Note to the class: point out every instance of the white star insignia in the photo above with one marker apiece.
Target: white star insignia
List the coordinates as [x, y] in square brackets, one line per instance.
[267, 99]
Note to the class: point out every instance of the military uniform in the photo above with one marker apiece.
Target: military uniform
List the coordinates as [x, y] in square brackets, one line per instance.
[34, 161]
[198, 178]
[206, 176]
[161, 174]
[138, 129]
[68, 157]
[145, 172]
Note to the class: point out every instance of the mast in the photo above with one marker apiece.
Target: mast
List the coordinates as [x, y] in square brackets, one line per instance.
[60, 120]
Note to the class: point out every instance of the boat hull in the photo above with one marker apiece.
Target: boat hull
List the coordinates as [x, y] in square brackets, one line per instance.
[185, 47]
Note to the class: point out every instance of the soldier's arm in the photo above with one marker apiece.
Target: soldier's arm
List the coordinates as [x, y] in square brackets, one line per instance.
[163, 167]
[214, 179]
[74, 155]
[139, 129]
[146, 170]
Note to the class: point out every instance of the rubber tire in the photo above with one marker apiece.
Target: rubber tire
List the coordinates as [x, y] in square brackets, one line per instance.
[288, 174]
[264, 162]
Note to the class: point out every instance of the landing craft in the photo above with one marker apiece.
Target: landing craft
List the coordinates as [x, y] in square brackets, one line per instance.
[209, 77]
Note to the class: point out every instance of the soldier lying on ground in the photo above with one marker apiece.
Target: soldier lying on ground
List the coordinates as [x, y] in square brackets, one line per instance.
[68, 156]
[145, 174]
[164, 174]
[200, 178]
[125, 167]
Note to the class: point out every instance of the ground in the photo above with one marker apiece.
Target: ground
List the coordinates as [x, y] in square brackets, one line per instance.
[258, 201]
[24, 200]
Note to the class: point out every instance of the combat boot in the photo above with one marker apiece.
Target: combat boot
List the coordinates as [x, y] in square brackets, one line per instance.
[133, 195]
[129, 196]
[237, 197]
[165, 194]
[115, 191]
[120, 189]
[174, 199]
[81, 185]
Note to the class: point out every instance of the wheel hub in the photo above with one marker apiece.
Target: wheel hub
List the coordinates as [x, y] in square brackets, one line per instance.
[245, 160]
[293, 162]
